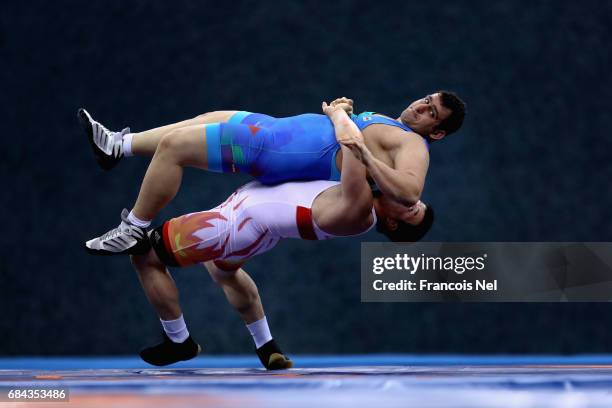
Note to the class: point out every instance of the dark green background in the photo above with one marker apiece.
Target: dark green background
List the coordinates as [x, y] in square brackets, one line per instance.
[532, 162]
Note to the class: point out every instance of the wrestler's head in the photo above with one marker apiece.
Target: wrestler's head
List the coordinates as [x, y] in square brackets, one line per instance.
[435, 115]
[401, 223]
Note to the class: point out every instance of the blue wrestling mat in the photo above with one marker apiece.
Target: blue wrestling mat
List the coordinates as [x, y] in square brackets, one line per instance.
[323, 381]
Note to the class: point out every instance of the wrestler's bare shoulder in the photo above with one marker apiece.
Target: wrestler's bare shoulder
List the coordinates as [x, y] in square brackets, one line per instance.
[342, 219]
[391, 137]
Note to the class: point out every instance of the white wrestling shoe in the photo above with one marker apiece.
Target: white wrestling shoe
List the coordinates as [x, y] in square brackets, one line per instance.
[107, 145]
[125, 239]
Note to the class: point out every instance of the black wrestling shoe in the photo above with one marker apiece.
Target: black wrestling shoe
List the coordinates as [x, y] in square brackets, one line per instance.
[106, 144]
[272, 357]
[170, 352]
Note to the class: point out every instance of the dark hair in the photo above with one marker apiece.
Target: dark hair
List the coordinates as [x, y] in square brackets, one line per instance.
[451, 101]
[406, 232]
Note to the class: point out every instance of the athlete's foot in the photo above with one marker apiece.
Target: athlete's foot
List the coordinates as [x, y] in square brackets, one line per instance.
[107, 145]
[272, 357]
[170, 352]
[125, 239]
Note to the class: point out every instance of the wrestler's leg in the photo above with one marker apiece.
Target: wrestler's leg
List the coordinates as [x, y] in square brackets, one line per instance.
[219, 147]
[110, 147]
[178, 148]
[241, 292]
[191, 146]
[158, 285]
[145, 143]
[162, 293]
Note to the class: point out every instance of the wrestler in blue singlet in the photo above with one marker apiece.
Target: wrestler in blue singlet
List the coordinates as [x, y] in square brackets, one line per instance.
[275, 150]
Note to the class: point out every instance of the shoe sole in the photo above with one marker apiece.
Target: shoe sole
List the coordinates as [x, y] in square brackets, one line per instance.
[99, 252]
[135, 250]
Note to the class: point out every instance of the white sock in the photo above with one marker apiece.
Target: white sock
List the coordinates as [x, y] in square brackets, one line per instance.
[176, 329]
[127, 145]
[134, 220]
[260, 332]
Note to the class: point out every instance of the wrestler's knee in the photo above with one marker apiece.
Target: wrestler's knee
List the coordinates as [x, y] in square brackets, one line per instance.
[206, 115]
[178, 145]
[172, 140]
[218, 275]
[216, 116]
[149, 259]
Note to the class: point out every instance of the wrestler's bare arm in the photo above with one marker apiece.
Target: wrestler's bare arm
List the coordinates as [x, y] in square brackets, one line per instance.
[405, 181]
[348, 211]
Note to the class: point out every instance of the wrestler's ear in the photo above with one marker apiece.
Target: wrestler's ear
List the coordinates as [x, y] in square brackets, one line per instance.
[437, 134]
[391, 224]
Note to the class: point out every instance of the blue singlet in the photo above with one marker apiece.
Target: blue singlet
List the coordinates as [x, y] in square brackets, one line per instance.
[275, 150]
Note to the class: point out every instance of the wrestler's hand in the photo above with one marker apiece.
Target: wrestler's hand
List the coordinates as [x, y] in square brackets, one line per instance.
[358, 148]
[343, 125]
[330, 109]
[345, 103]
[347, 133]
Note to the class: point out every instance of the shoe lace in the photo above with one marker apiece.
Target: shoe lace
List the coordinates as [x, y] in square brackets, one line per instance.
[113, 141]
[111, 234]
[113, 137]
[104, 128]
